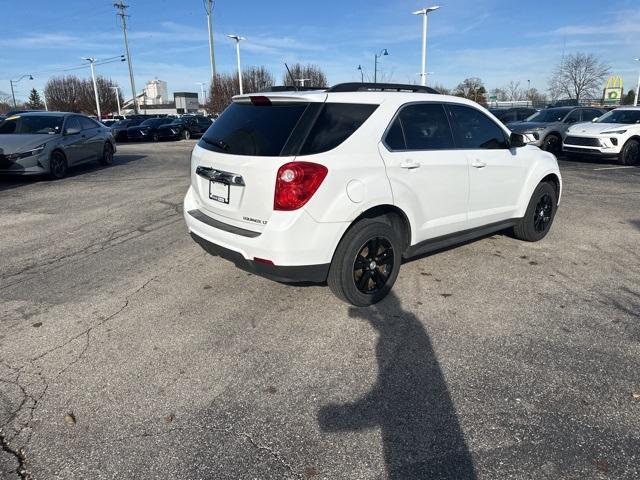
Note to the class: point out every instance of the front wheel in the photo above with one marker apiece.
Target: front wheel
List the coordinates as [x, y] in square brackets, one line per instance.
[552, 144]
[630, 154]
[539, 216]
[186, 134]
[366, 263]
[107, 154]
[57, 165]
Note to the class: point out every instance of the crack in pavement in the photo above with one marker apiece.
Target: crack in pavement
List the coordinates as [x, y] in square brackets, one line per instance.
[36, 268]
[19, 455]
[20, 452]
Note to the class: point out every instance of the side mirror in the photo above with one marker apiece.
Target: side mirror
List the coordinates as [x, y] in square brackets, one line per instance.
[570, 120]
[72, 131]
[517, 140]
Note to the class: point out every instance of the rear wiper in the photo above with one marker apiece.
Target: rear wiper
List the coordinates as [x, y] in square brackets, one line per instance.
[221, 144]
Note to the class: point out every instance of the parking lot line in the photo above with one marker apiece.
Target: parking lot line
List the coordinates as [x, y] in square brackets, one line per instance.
[613, 168]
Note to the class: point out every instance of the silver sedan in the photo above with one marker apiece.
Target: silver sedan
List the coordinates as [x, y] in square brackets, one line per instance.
[49, 143]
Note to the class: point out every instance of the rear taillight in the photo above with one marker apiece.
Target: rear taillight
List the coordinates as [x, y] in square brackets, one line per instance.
[296, 183]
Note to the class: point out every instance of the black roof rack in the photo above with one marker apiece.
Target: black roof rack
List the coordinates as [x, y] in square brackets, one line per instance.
[380, 87]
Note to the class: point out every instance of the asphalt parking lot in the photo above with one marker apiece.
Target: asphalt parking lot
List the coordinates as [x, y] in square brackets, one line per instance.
[128, 352]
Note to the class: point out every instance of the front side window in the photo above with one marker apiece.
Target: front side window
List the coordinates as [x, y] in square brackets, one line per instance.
[424, 126]
[87, 123]
[474, 130]
[72, 122]
[573, 117]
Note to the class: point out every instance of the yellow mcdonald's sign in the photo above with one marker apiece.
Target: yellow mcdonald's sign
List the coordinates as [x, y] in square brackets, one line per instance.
[613, 90]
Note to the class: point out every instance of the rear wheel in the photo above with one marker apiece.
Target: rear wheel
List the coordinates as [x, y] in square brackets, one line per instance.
[366, 263]
[57, 165]
[155, 137]
[539, 216]
[630, 154]
[553, 144]
[186, 134]
[107, 154]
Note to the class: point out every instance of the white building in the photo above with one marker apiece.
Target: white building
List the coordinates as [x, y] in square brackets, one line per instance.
[155, 92]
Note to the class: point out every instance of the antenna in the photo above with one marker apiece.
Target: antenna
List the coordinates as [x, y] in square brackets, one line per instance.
[291, 77]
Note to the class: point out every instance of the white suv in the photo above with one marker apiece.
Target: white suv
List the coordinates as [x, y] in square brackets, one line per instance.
[340, 185]
[615, 134]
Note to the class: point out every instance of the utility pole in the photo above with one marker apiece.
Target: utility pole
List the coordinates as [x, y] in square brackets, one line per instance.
[635, 101]
[123, 16]
[91, 61]
[237, 38]
[383, 52]
[302, 80]
[12, 82]
[208, 7]
[117, 99]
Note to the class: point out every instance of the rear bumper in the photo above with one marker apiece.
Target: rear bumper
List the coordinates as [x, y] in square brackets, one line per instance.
[293, 274]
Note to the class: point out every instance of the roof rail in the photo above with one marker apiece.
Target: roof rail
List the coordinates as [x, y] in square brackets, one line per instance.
[380, 87]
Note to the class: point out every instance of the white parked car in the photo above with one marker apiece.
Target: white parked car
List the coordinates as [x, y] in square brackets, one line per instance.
[616, 134]
[341, 185]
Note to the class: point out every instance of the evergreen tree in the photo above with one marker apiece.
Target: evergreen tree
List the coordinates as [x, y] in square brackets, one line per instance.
[629, 98]
[35, 103]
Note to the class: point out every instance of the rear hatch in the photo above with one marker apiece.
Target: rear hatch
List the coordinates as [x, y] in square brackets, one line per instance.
[235, 163]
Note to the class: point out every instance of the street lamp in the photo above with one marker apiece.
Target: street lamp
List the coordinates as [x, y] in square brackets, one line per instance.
[237, 38]
[635, 101]
[424, 12]
[382, 53]
[12, 82]
[361, 73]
[115, 89]
[91, 61]
[204, 97]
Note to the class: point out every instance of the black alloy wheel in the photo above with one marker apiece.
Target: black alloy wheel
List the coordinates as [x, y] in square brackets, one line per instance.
[543, 212]
[552, 144]
[57, 165]
[631, 153]
[107, 154]
[186, 134]
[373, 265]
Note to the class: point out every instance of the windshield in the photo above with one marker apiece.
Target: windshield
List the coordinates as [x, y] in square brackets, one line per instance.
[620, 116]
[549, 115]
[177, 121]
[33, 124]
[153, 122]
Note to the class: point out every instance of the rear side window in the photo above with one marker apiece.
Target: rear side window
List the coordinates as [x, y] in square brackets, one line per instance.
[87, 123]
[425, 127]
[244, 129]
[474, 130]
[335, 123]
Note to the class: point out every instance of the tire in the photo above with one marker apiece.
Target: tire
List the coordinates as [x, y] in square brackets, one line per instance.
[155, 137]
[58, 165]
[552, 144]
[539, 216]
[630, 154]
[107, 154]
[380, 268]
[186, 134]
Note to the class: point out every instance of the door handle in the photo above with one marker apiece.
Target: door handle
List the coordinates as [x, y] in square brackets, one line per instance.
[409, 164]
[478, 164]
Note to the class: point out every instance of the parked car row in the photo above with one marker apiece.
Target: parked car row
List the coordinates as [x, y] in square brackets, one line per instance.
[161, 128]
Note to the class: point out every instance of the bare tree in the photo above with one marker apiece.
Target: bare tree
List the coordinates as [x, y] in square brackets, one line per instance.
[256, 79]
[224, 87]
[442, 89]
[578, 76]
[473, 89]
[312, 74]
[72, 94]
[513, 91]
[500, 94]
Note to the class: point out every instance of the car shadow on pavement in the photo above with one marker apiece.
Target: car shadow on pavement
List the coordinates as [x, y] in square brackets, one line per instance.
[410, 402]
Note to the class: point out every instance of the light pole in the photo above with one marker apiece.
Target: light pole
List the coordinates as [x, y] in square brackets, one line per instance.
[361, 74]
[635, 100]
[302, 80]
[382, 53]
[44, 99]
[237, 38]
[204, 97]
[115, 89]
[91, 61]
[208, 6]
[12, 82]
[424, 12]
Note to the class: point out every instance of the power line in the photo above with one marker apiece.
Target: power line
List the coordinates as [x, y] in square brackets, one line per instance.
[123, 16]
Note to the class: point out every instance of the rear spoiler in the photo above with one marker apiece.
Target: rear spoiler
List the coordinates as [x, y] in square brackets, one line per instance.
[268, 98]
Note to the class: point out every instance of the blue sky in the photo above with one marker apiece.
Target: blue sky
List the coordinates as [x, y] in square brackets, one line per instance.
[496, 40]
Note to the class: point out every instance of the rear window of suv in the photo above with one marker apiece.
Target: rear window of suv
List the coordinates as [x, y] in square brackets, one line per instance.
[265, 130]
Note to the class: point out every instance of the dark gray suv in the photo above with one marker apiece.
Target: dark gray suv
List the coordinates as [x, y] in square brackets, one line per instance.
[48, 143]
[548, 127]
